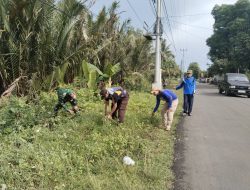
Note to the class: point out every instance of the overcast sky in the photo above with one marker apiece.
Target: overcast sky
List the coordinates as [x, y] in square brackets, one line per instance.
[191, 24]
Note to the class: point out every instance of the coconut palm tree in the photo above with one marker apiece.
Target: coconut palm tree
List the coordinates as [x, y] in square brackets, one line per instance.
[36, 37]
[45, 41]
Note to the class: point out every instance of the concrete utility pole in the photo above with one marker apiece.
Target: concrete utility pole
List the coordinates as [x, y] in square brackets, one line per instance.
[182, 62]
[157, 81]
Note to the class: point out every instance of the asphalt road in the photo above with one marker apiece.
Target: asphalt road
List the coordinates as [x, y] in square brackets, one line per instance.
[213, 152]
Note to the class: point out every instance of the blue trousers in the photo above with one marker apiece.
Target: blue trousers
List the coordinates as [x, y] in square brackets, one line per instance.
[188, 103]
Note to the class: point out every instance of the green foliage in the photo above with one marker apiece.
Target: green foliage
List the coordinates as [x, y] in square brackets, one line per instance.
[84, 151]
[248, 75]
[90, 73]
[195, 68]
[110, 69]
[47, 46]
[230, 43]
[169, 67]
[37, 40]
[137, 81]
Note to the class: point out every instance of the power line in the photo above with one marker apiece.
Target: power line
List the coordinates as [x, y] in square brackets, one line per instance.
[134, 11]
[168, 38]
[152, 7]
[195, 26]
[168, 23]
[171, 7]
[190, 34]
[174, 11]
[190, 15]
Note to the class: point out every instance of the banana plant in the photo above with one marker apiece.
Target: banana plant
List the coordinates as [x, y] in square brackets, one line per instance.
[110, 70]
[90, 72]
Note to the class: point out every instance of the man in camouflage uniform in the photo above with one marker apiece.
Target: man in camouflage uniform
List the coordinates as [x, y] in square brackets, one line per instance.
[64, 96]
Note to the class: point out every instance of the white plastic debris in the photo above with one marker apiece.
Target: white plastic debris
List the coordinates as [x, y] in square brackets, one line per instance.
[128, 161]
[4, 186]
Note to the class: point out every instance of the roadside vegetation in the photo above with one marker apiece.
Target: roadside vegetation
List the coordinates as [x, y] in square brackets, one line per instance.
[46, 43]
[43, 42]
[230, 43]
[39, 151]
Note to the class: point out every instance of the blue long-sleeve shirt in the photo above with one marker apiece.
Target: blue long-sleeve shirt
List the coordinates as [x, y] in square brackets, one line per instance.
[188, 84]
[166, 95]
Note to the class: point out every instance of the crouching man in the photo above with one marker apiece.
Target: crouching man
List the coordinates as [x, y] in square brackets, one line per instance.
[119, 101]
[169, 107]
[64, 96]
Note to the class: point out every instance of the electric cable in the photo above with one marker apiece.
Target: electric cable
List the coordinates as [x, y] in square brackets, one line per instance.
[195, 26]
[152, 7]
[168, 23]
[137, 16]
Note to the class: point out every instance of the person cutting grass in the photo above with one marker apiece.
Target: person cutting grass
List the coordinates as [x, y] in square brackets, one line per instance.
[64, 96]
[169, 108]
[119, 98]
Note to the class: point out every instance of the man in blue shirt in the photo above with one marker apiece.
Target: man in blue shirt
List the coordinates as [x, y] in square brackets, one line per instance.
[189, 86]
[169, 107]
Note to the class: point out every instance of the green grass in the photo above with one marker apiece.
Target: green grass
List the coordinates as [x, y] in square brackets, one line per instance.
[86, 151]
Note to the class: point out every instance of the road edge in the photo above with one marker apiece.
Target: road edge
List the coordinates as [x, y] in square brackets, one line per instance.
[179, 148]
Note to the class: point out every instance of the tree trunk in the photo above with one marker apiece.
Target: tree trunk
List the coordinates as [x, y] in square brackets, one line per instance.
[11, 88]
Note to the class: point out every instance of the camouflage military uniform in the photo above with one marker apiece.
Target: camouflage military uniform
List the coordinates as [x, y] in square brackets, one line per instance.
[64, 96]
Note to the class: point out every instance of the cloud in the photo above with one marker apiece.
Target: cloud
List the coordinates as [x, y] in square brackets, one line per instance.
[188, 32]
[192, 28]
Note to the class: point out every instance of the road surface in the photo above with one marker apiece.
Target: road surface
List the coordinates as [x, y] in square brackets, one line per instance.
[213, 151]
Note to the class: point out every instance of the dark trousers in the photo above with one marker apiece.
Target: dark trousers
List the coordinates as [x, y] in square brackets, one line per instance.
[121, 109]
[57, 107]
[188, 103]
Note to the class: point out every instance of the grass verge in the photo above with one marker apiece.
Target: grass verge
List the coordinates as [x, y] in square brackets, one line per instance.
[85, 151]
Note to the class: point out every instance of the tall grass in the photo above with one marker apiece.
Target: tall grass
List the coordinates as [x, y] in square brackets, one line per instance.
[85, 151]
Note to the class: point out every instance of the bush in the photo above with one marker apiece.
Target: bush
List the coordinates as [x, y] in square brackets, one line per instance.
[17, 115]
[136, 81]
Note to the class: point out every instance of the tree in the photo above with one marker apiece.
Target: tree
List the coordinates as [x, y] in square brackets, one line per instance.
[46, 41]
[194, 66]
[37, 39]
[230, 42]
[169, 67]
